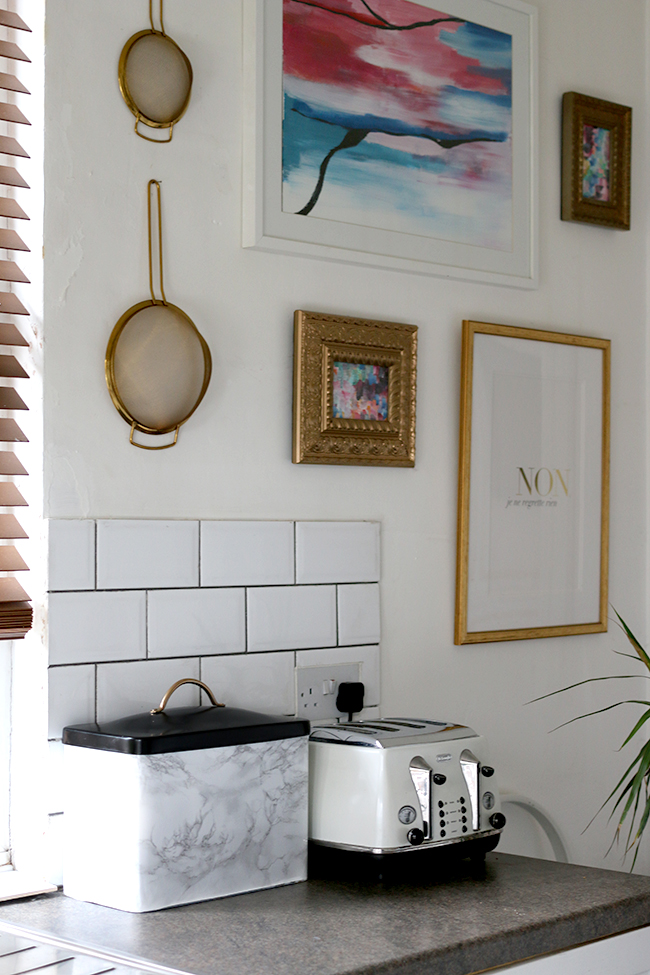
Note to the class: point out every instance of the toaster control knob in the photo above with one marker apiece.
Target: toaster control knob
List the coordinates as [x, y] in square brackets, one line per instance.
[415, 837]
[497, 820]
[407, 815]
[487, 771]
[439, 778]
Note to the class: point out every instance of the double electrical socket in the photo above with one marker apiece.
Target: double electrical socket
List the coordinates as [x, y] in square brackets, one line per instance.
[317, 689]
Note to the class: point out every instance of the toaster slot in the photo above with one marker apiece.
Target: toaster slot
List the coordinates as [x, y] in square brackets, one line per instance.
[469, 766]
[421, 775]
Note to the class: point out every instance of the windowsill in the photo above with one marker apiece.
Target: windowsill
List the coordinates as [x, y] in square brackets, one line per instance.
[15, 884]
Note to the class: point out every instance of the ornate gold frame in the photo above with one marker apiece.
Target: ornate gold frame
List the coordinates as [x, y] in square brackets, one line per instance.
[461, 635]
[318, 437]
[578, 111]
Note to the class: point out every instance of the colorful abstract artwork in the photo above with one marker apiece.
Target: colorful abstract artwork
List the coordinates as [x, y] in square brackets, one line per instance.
[359, 391]
[398, 117]
[596, 163]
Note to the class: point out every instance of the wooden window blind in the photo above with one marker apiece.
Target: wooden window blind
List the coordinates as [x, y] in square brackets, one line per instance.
[15, 607]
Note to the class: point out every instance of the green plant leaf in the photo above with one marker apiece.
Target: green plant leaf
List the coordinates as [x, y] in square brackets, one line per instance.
[589, 714]
[590, 680]
[630, 797]
[642, 720]
[633, 640]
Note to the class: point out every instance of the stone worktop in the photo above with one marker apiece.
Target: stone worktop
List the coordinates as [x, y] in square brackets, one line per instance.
[466, 920]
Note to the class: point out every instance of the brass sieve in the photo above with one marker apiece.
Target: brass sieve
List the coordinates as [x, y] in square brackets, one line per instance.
[155, 78]
[158, 365]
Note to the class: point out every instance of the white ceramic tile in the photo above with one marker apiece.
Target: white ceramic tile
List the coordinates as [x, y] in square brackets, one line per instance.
[71, 697]
[291, 617]
[133, 688]
[186, 622]
[367, 657]
[147, 554]
[89, 626]
[54, 858]
[358, 608]
[337, 551]
[260, 682]
[55, 788]
[246, 553]
[72, 554]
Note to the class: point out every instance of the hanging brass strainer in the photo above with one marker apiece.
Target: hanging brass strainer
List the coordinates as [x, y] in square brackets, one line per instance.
[158, 365]
[155, 78]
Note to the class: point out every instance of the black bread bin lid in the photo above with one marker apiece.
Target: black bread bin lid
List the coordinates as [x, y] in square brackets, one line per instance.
[183, 729]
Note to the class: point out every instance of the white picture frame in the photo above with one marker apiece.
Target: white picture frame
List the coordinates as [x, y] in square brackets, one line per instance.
[533, 487]
[267, 227]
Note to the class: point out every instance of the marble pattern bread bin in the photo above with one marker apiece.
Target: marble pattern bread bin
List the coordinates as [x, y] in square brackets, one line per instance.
[184, 804]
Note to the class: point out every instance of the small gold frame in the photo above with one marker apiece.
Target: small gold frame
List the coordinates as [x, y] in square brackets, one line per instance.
[579, 111]
[461, 634]
[321, 438]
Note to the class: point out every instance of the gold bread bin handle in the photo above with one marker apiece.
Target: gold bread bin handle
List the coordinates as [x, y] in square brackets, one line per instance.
[174, 687]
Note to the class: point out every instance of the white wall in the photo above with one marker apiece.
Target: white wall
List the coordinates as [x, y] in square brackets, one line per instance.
[233, 459]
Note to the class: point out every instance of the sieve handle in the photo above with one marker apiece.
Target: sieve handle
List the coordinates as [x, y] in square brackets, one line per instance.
[162, 26]
[145, 446]
[148, 137]
[156, 301]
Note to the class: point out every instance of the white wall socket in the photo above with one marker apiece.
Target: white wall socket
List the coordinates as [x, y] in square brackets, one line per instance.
[317, 689]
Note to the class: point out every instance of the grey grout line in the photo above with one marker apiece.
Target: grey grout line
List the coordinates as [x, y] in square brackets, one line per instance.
[336, 611]
[295, 554]
[95, 534]
[146, 624]
[96, 679]
[246, 619]
[199, 553]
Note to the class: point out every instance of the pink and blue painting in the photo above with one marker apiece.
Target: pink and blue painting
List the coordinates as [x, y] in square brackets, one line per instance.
[397, 117]
[359, 391]
[595, 163]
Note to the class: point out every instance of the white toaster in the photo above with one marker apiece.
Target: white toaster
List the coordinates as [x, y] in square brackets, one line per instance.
[398, 785]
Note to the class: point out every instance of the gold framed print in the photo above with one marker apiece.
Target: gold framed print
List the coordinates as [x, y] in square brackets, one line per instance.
[353, 391]
[596, 154]
[533, 485]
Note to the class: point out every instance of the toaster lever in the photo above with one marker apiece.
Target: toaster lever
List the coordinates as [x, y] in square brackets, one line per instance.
[421, 775]
[469, 766]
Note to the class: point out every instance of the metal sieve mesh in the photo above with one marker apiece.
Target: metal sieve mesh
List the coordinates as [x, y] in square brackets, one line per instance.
[159, 367]
[158, 78]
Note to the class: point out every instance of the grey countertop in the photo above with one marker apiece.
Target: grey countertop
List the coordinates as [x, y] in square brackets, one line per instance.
[466, 920]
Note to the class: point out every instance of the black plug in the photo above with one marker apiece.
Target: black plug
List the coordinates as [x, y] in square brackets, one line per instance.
[349, 699]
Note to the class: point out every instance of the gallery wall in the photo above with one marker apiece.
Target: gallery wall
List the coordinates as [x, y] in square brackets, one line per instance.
[233, 459]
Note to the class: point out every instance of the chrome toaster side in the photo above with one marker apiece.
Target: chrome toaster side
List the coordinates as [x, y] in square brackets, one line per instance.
[402, 785]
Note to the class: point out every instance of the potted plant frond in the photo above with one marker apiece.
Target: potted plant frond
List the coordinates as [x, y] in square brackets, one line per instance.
[631, 794]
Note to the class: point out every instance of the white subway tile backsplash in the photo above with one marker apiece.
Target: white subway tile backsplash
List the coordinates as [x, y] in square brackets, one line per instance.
[92, 626]
[358, 609]
[291, 617]
[187, 622]
[329, 551]
[264, 682]
[134, 688]
[246, 553]
[147, 554]
[367, 657]
[72, 554]
[137, 604]
[71, 697]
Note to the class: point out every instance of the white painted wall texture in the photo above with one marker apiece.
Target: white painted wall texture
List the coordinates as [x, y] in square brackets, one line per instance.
[233, 459]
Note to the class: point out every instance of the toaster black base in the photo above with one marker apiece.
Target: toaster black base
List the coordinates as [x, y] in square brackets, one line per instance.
[420, 866]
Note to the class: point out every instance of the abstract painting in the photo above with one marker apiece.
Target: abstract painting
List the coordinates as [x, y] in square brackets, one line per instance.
[353, 391]
[360, 391]
[398, 117]
[596, 162]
